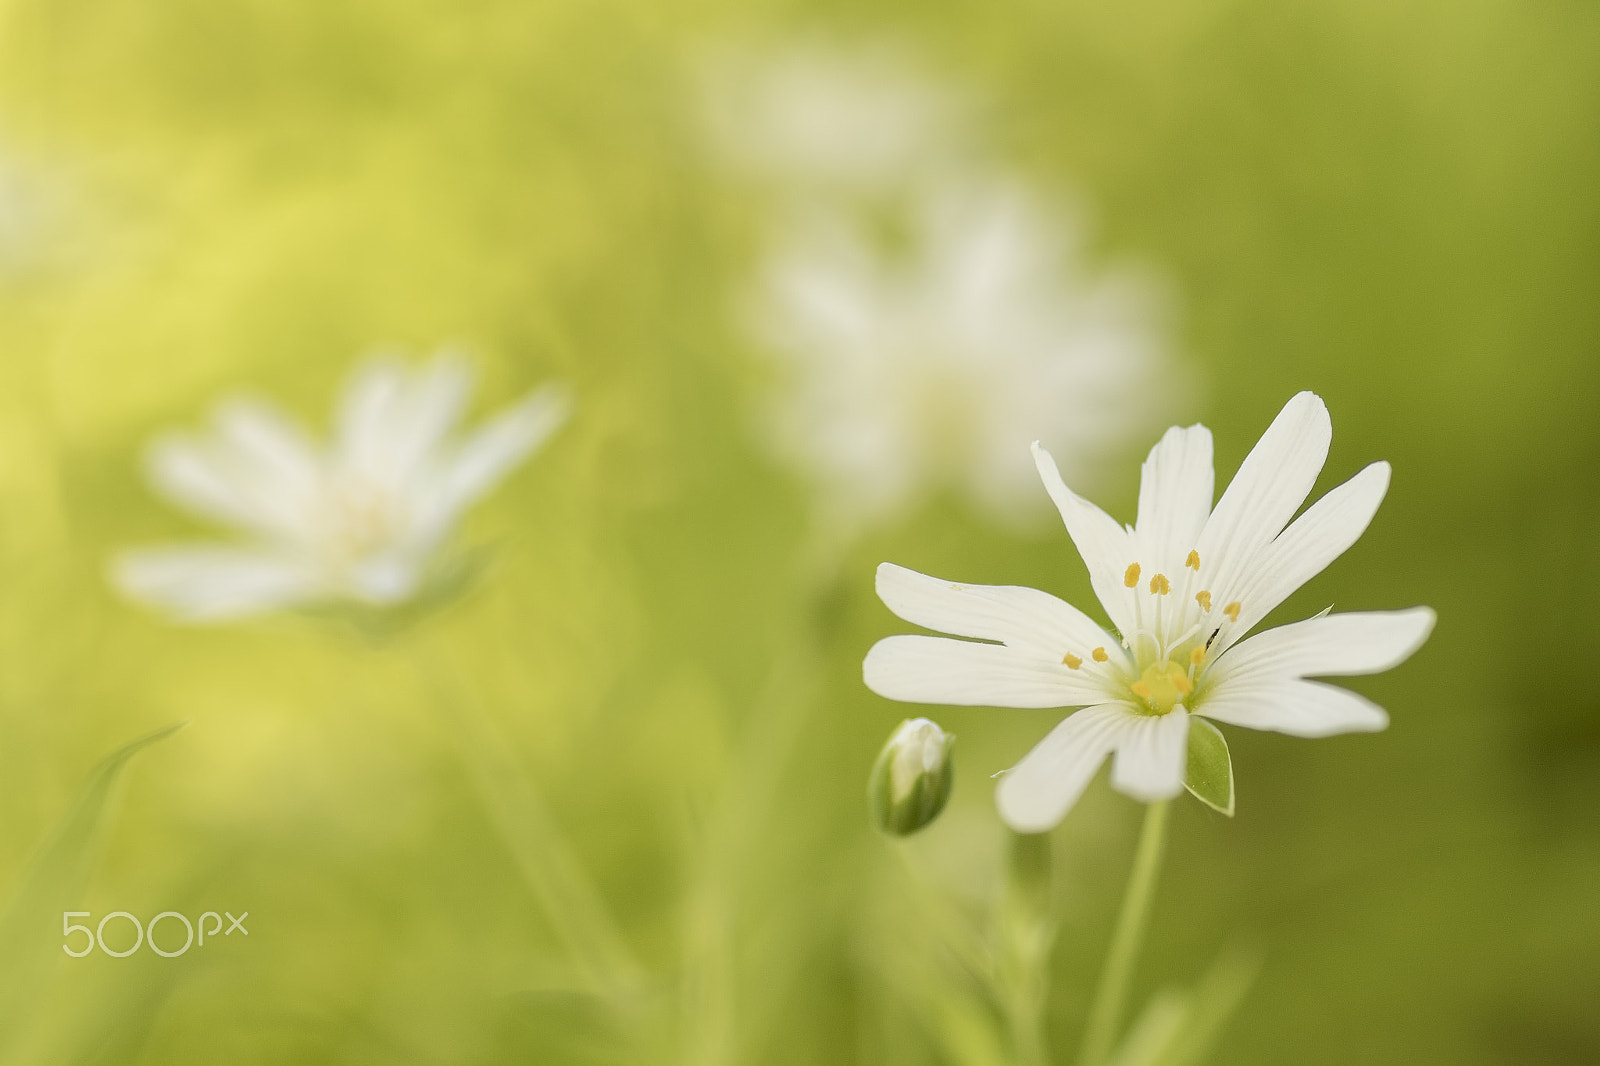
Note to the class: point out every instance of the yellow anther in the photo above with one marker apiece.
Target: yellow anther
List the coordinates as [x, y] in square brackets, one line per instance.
[1203, 598]
[1099, 655]
[1182, 684]
[1193, 562]
[1159, 585]
[1072, 661]
[1232, 610]
[1197, 656]
[1140, 689]
[1131, 578]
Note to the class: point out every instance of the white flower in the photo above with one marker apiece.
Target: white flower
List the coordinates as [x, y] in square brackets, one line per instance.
[932, 370]
[359, 520]
[857, 119]
[21, 214]
[1182, 586]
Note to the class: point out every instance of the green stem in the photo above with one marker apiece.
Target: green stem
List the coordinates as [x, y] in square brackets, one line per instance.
[546, 861]
[717, 1008]
[1027, 934]
[1105, 1013]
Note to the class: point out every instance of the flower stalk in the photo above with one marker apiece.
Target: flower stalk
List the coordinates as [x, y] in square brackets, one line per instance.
[1027, 935]
[1111, 995]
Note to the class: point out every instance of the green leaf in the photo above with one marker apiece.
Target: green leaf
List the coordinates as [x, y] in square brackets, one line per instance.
[1210, 774]
[30, 926]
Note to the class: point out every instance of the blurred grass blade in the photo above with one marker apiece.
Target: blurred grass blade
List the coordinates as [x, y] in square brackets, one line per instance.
[1181, 1029]
[1213, 1003]
[1157, 1032]
[551, 869]
[30, 933]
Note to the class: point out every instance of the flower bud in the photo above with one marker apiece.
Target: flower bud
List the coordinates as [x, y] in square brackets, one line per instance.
[912, 778]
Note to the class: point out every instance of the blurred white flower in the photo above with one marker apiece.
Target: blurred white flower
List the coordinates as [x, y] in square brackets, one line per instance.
[935, 367]
[812, 114]
[20, 209]
[1182, 586]
[359, 520]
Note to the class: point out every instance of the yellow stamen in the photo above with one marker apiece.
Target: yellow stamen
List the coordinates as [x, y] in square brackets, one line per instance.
[1140, 689]
[1182, 684]
[1203, 598]
[1193, 562]
[1099, 655]
[1159, 585]
[1197, 656]
[1072, 661]
[1131, 578]
[1232, 610]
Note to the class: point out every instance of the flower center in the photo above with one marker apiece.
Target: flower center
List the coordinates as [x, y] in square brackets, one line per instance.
[1174, 635]
[1162, 686]
[361, 518]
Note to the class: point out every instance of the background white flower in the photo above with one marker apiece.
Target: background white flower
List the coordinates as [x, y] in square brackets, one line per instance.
[1183, 587]
[814, 115]
[359, 519]
[934, 367]
[925, 310]
[22, 210]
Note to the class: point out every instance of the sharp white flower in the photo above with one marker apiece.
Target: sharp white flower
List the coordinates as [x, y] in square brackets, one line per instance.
[1183, 586]
[358, 520]
[934, 369]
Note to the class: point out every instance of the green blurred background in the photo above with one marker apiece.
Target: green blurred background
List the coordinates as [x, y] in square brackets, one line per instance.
[1395, 205]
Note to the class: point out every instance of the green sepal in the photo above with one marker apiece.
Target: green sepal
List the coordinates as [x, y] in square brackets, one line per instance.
[1209, 777]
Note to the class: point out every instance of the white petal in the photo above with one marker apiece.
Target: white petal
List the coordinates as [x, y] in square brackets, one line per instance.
[1103, 544]
[1020, 617]
[508, 438]
[1175, 488]
[939, 670]
[385, 579]
[1299, 708]
[369, 413]
[275, 461]
[190, 474]
[1335, 645]
[1315, 539]
[426, 411]
[1037, 793]
[1271, 484]
[205, 584]
[1152, 755]
[254, 475]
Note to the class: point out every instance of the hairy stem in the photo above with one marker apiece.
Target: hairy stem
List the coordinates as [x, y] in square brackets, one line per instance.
[1027, 933]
